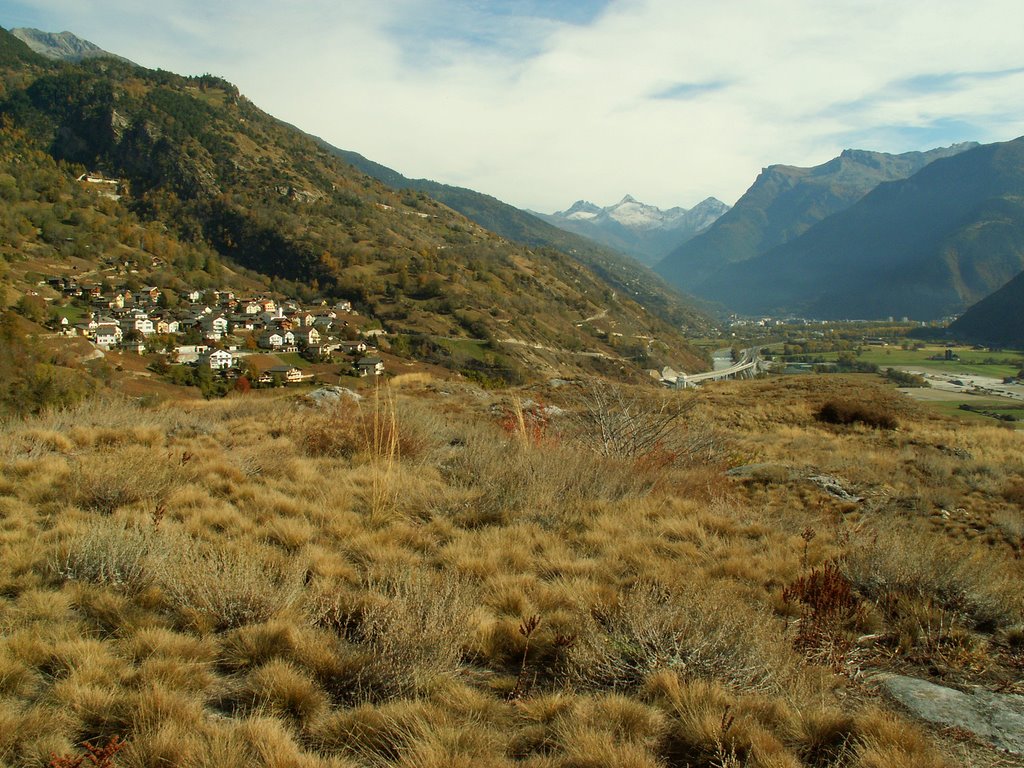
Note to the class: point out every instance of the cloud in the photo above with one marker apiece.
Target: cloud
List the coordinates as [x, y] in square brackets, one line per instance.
[542, 102]
[686, 91]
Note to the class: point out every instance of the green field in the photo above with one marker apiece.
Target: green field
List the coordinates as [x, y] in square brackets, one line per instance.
[976, 362]
[75, 313]
[992, 405]
[294, 358]
[471, 349]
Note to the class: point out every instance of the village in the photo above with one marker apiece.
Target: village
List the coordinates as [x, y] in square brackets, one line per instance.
[218, 331]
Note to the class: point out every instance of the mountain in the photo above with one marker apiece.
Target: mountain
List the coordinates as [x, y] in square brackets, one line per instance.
[996, 320]
[60, 46]
[924, 247]
[222, 187]
[624, 274]
[783, 203]
[642, 231]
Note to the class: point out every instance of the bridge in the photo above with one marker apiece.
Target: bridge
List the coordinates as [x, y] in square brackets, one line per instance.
[745, 368]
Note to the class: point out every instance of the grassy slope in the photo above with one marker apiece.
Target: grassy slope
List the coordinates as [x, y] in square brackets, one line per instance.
[252, 582]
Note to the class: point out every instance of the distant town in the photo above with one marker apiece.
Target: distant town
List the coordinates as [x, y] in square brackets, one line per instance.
[217, 330]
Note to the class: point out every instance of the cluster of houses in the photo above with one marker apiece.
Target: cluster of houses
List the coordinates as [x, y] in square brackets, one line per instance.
[217, 329]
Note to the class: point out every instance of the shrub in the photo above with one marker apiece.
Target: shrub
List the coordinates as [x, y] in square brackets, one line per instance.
[411, 629]
[847, 412]
[974, 587]
[828, 602]
[216, 587]
[905, 378]
[100, 757]
[704, 635]
[107, 481]
[109, 552]
[652, 427]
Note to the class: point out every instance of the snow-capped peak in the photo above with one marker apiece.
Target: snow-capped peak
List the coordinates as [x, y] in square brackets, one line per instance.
[581, 209]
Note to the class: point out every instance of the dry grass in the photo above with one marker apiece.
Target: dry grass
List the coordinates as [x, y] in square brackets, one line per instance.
[409, 581]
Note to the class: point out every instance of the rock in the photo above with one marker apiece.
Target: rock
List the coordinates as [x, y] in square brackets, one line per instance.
[331, 396]
[995, 718]
[833, 486]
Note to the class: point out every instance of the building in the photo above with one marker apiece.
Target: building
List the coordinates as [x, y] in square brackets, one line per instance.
[370, 365]
[217, 360]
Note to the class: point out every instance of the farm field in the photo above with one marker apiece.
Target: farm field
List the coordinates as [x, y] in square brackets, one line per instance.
[971, 361]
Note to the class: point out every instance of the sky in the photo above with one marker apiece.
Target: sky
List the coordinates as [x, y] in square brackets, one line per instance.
[544, 102]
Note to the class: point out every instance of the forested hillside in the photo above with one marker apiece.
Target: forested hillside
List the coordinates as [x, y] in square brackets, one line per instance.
[625, 274]
[221, 182]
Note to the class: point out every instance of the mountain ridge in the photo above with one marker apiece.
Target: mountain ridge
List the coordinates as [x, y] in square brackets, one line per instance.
[622, 272]
[996, 320]
[61, 46]
[784, 202]
[924, 247]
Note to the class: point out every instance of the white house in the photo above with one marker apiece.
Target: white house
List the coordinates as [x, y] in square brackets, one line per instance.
[107, 335]
[217, 359]
[270, 340]
[307, 337]
[287, 373]
[140, 323]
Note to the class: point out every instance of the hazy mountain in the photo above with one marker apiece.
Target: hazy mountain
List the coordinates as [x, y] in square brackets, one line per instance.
[783, 203]
[925, 247]
[228, 182]
[60, 46]
[621, 272]
[996, 320]
[642, 231]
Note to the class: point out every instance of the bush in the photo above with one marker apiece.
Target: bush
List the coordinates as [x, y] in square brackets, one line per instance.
[706, 635]
[905, 378]
[846, 412]
[615, 421]
[108, 552]
[107, 481]
[215, 588]
[975, 588]
[412, 630]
